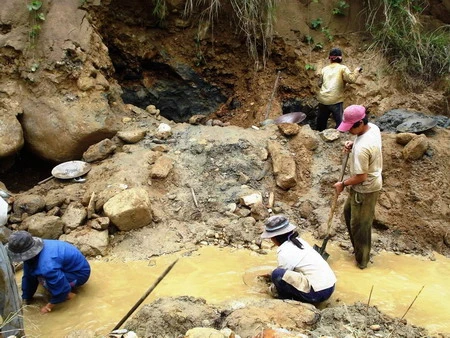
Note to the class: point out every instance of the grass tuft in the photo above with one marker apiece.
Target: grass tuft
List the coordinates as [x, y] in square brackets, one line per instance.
[412, 50]
[253, 19]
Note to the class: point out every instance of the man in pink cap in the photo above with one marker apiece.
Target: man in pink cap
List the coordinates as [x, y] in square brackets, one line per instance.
[365, 181]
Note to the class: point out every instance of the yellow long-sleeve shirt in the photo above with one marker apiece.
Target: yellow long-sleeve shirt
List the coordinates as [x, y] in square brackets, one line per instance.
[334, 77]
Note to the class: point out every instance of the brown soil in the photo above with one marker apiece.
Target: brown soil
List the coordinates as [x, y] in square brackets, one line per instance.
[414, 209]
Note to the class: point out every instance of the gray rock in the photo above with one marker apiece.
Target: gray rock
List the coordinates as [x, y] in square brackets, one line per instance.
[132, 136]
[90, 242]
[308, 138]
[416, 148]
[44, 226]
[284, 167]
[100, 223]
[99, 151]
[162, 167]
[29, 204]
[330, 135]
[74, 216]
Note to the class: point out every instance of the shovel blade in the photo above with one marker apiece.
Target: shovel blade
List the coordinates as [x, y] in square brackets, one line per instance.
[321, 251]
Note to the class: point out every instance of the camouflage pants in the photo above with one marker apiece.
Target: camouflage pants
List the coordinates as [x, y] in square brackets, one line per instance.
[359, 211]
[10, 303]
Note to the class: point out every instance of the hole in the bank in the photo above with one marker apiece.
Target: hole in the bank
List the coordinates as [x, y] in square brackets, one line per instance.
[25, 172]
[177, 90]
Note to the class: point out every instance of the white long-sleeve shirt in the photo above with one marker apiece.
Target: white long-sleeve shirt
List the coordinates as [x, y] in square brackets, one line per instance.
[306, 262]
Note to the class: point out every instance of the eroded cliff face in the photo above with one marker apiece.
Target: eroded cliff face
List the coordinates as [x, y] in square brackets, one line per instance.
[56, 84]
[71, 79]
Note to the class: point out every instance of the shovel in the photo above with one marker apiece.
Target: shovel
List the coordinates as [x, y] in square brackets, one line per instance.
[321, 250]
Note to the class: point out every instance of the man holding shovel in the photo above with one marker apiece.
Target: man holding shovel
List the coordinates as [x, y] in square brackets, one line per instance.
[365, 179]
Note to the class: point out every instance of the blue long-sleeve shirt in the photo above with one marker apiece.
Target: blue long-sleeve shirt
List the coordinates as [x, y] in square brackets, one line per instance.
[59, 267]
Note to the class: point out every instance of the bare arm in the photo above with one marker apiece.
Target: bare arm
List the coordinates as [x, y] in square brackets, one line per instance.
[359, 178]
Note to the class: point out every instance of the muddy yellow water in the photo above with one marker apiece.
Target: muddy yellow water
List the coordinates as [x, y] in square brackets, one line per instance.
[218, 275]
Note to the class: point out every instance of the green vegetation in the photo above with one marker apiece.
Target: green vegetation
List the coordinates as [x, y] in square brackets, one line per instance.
[316, 23]
[253, 18]
[318, 46]
[37, 16]
[308, 39]
[310, 67]
[340, 8]
[394, 24]
[327, 33]
[396, 29]
[160, 9]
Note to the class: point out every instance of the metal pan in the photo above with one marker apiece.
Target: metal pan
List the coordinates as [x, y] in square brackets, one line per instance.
[416, 125]
[69, 170]
[296, 117]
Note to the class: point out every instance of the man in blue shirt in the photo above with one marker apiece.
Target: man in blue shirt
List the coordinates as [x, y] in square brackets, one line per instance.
[57, 265]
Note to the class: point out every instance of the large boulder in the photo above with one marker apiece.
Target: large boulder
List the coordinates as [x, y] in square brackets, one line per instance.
[60, 80]
[90, 242]
[11, 135]
[29, 204]
[74, 216]
[43, 226]
[416, 148]
[130, 209]
[284, 167]
[77, 124]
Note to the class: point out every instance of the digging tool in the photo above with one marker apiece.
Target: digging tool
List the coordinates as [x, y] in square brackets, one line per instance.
[321, 249]
[145, 295]
[269, 106]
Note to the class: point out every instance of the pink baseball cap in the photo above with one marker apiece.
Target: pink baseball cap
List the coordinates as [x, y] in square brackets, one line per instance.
[352, 114]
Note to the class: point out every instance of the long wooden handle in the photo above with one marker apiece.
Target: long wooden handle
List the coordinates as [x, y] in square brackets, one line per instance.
[135, 306]
[336, 195]
[269, 107]
[47, 179]
[344, 165]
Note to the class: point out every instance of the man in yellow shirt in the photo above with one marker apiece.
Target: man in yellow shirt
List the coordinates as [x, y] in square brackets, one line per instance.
[332, 83]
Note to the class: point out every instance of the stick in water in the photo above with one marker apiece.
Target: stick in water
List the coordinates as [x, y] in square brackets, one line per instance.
[119, 324]
[370, 296]
[409, 307]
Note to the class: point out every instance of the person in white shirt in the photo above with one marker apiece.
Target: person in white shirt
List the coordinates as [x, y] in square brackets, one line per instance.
[365, 181]
[302, 273]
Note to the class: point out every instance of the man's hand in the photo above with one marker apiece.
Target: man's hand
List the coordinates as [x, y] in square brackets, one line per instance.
[348, 145]
[339, 186]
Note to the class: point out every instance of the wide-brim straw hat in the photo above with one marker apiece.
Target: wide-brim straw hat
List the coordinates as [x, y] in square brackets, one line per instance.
[22, 246]
[277, 225]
